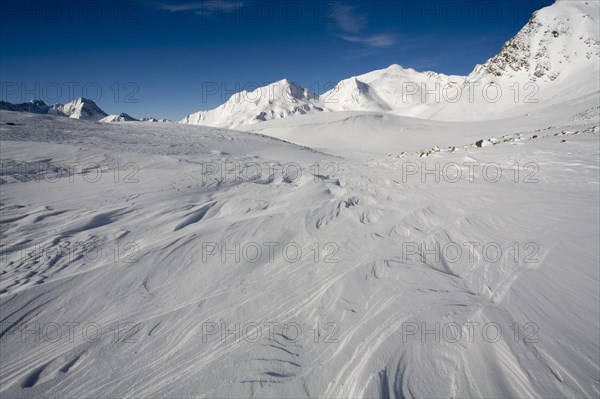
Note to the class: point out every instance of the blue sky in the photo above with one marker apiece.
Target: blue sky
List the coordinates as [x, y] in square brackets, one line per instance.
[171, 58]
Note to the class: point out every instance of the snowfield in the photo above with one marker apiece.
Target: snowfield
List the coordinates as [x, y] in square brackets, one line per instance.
[137, 262]
[370, 248]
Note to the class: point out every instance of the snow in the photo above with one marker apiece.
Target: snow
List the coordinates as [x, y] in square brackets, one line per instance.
[313, 254]
[82, 108]
[177, 294]
[122, 117]
[381, 133]
[553, 59]
[276, 100]
[387, 90]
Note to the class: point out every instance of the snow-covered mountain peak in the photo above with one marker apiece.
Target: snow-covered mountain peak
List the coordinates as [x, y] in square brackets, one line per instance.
[122, 117]
[384, 90]
[83, 108]
[288, 90]
[561, 39]
[38, 103]
[275, 100]
[282, 82]
[79, 101]
[395, 66]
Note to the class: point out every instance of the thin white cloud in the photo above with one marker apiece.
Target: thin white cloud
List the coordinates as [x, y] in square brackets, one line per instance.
[346, 18]
[351, 24]
[203, 7]
[380, 41]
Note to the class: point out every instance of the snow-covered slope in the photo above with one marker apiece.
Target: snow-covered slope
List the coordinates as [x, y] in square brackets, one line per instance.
[83, 108]
[150, 260]
[355, 254]
[372, 133]
[122, 117]
[276, 100]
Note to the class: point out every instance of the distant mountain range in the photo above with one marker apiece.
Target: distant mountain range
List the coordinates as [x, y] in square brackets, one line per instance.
[80, 108]
[553, 59]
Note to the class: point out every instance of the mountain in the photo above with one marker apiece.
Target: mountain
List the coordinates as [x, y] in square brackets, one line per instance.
[553, 59]
[394, 89]
[83, 108]
[4, 105]
[557, 43]
[122, 117]
[276, 100]
[33, 106]
[152, 119]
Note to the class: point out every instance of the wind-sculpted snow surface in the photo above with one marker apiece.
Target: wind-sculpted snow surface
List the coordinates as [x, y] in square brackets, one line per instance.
[165, 260]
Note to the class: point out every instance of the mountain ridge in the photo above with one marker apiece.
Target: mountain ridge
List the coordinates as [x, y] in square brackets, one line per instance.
[553, 58]
[275, 100]
[80, 108]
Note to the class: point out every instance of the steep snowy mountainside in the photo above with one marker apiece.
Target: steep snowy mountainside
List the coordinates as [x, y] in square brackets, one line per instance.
[557, 42]
[83, 108]
[554, 59]
[276, 100]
